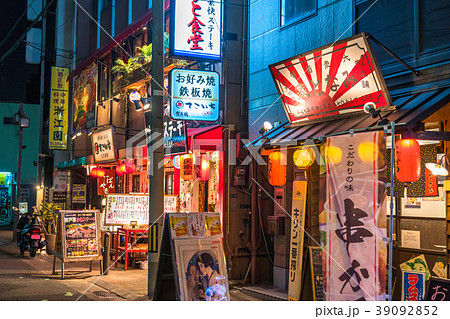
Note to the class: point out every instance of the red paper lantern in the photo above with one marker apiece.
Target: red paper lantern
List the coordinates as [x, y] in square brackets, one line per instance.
[129, 168]
[277, 168]
[119, 170]
[98, 172]
[186, 167]
[407, 160]
[203, 168]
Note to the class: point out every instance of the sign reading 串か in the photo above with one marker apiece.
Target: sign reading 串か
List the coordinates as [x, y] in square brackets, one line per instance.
[59, 109]
[80, 234]
[174, 135]
[103, 145]
[332, 80]
[194, 95]
[355, 260]
[122, 209]
[196, 29]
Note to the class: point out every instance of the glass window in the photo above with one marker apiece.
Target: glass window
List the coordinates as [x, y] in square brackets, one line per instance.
[434, 32]
[295, 10]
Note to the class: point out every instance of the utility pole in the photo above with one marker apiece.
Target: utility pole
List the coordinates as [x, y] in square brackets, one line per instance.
[156, 187]
[22, 121]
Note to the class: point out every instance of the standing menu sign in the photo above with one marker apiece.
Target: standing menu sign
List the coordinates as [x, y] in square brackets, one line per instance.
[191, 264]
[80, 234]
[315, 258]
[77, 238]
[122, 209]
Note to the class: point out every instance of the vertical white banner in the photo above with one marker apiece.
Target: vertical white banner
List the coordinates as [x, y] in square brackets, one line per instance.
[297, 238]
[356, 218]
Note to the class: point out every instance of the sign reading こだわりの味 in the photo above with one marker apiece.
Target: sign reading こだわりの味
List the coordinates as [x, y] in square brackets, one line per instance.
[103, 146]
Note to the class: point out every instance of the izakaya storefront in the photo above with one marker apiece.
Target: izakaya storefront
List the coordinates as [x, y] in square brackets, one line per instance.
[328, 182]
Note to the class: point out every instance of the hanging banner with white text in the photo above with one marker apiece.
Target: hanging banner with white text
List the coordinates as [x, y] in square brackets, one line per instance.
[355, 208]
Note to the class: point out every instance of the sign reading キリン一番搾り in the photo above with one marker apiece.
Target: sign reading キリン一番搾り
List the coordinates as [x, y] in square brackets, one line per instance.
[103, 146]
[335, 79]
[194, 95]
[195, 30]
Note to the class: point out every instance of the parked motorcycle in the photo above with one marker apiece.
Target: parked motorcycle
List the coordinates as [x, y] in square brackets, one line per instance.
[29, 235]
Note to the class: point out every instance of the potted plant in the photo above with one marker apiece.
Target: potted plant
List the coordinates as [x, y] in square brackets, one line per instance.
[48, 218]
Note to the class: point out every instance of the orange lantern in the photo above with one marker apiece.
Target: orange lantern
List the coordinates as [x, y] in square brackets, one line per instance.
[303, 158]
[119, 170]
[368, 152]
[98, 172]
[407, 160]
[333, 155]
[202, 169]
[277, 168]
[129, 167]
[186, 167]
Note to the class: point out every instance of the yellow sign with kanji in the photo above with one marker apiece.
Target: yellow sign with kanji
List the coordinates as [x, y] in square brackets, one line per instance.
[59, 109]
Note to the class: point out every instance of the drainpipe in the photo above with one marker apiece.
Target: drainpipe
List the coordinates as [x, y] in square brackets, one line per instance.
[254, 222]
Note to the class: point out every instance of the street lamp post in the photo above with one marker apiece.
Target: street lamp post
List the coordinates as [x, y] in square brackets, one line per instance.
[23, 122]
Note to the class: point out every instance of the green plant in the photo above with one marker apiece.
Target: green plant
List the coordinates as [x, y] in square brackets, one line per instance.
[48, 218]
[146, 54]
[125, 68]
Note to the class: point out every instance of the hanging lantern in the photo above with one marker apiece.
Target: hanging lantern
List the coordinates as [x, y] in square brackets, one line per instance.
[98, 172]
[277, 168]
[186, 167]
[407, 160]
[368, 152]
[129, 167]
[119, 170]
[303, 158]
[333, 155]
[202, 168]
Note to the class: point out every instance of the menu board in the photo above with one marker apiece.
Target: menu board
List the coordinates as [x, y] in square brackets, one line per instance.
[195, 225]
[438, 289]
[315, 257]
[122, 209]
[80, 234]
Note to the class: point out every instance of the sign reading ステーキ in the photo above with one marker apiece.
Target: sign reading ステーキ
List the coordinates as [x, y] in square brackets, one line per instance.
[103, 146]
[174, 136]
[59, 109]
[332, 80]
[194, 95]
[196, 29]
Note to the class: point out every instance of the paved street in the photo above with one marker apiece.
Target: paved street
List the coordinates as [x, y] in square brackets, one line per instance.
[31, 279]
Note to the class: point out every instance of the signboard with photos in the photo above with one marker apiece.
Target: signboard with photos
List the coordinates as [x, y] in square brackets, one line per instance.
[192, 251]
[104, 145]
[196, 29]
[194, 95]
[336, 79]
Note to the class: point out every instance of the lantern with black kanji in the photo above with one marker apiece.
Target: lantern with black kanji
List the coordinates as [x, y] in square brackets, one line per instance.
[202, 168]
[186, 167]
[407, 160]
[277, 168]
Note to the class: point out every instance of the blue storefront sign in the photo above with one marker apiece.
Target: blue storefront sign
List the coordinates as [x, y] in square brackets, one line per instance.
[194, 95]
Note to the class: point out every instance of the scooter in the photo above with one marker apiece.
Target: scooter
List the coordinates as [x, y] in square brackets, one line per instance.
[31, 238]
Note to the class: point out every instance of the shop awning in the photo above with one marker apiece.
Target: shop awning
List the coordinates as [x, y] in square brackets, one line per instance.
[117, 39]
[209, 138]
[411, 107]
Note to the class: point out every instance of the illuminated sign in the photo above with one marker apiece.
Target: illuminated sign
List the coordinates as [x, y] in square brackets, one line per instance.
[59, 109]
[103, 146]
[332, 80]
[196, 28]
[194, 95]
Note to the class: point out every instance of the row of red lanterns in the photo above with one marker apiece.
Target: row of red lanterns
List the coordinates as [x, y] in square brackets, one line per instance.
[407, 160]
[200, 169]
[121, 169]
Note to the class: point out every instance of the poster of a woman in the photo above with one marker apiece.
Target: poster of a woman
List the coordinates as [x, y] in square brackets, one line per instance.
[202, 271]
